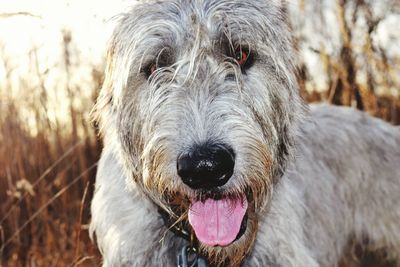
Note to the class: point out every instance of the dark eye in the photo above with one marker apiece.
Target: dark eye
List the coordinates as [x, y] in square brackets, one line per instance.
[150, 69]
[243, 57]
[163, 59]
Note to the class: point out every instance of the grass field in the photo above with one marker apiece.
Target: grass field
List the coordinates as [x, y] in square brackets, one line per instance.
[48, 155]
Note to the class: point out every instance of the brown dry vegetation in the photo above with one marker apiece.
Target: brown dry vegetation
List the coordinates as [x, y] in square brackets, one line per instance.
[47, 170]
[47, 164]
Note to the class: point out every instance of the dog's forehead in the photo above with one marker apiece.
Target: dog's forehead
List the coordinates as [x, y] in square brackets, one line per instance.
[174, 20]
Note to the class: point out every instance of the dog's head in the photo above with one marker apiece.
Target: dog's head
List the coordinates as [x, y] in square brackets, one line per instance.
[200, 101]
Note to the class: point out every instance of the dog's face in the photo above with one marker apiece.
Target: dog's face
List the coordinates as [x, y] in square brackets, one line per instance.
[201, 101]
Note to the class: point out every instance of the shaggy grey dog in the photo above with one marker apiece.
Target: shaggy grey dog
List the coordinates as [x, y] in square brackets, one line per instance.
[205, 135]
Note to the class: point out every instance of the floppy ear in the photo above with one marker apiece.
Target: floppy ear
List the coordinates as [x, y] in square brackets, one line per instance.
[101, 112]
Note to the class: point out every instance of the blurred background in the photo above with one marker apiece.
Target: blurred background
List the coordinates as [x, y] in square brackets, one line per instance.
[52, 57]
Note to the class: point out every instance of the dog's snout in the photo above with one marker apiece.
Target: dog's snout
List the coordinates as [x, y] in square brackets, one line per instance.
[206, 166]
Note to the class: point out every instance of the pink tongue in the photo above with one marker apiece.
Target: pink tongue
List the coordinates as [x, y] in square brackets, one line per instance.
[217, 222]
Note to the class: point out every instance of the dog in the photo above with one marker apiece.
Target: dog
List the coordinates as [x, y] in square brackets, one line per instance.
[211, 157]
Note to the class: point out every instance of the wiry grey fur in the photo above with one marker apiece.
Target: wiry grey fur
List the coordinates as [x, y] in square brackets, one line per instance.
[315, 177]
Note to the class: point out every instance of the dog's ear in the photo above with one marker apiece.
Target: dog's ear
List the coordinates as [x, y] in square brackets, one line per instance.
[102, 109]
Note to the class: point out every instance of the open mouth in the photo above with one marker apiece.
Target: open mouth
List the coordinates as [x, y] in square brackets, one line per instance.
[218, 222]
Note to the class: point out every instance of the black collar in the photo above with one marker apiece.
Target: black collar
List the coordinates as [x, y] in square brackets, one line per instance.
[180, 229]
[189, 255]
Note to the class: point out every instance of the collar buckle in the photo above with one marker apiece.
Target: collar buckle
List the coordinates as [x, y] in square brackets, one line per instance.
[189, 257]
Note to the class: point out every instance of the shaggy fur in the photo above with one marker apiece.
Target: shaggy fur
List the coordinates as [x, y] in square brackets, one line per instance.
[314, 178]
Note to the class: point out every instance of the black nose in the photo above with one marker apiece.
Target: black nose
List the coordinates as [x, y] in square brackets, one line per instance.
[206, 166]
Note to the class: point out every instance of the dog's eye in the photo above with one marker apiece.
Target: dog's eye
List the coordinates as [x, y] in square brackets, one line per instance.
[165, 58]
[151, 69]
[241, 57]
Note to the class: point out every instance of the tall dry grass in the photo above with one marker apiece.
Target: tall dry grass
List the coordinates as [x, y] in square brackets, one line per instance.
[47, 168]
[48, 162]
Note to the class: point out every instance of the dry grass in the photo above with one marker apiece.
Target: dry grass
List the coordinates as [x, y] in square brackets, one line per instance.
[47, 170]
[45, 188]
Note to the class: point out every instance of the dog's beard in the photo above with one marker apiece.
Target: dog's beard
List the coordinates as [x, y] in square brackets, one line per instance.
[177, 202]
[178, 207]
[158, 182]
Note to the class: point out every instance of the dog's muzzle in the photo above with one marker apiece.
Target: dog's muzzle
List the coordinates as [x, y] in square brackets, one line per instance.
[216, 219]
